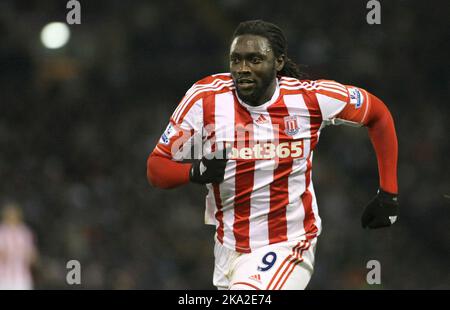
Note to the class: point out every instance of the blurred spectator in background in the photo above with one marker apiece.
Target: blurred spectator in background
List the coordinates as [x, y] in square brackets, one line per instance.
[17, 250]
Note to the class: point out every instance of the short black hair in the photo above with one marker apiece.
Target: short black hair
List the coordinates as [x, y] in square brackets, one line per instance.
[276, 39]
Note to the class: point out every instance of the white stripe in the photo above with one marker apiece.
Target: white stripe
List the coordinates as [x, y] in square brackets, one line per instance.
[263, 177]
[286, 78]
[224, 131]
[333, 90]
[295, 212]
[314, 84]
[186, 104]
[194, 91]
[294, 82]
[161, 151]
[211, 207]
[196, 88]
[308, 86]
[329, 106]
[191, 93]
[224, 73]
[193, 120]
[292, 88]
[333, 84]
[201, 86]
[367, 105]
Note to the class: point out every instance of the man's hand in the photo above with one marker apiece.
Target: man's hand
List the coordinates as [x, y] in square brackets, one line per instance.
[209, 170]
[382, 210]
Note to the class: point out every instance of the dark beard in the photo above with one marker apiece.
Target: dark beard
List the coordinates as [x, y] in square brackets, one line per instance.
[253, 98]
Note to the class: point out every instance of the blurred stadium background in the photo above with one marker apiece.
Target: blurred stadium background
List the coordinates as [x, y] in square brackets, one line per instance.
[77, 124]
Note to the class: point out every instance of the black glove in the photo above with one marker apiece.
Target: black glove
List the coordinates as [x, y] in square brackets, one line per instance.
[382, 210]
[209, 170]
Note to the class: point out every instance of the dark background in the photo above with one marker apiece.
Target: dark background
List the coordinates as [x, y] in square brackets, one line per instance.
[77, 125]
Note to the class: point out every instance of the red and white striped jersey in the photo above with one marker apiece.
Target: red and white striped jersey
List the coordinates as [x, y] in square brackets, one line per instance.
[263, 200]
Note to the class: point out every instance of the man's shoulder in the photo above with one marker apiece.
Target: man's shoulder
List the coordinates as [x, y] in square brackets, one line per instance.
[214, 80]
[308, 84]
[208, 86]
[325, 87]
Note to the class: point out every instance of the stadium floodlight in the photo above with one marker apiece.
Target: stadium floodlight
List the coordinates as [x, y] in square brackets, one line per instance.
[55, 35]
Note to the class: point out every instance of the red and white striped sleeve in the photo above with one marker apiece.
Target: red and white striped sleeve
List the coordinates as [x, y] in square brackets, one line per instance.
[185, 122]
[358, 106]
[331, 96]
[185, 127]
[342, 104]
[187, 119]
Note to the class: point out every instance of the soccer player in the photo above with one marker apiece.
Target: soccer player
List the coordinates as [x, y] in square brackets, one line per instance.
[18, 252]
[258, 126]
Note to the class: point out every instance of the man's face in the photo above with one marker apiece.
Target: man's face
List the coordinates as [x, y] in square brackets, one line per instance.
[253, 67]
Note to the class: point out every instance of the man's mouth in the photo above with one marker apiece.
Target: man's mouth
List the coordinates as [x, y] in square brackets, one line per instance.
[245, 83]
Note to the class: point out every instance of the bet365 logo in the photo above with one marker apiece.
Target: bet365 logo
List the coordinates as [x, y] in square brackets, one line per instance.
[268, 150]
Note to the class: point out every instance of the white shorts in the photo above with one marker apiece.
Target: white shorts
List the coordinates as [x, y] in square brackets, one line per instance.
[280, 266]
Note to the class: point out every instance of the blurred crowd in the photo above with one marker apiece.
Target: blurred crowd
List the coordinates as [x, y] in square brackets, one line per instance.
[77, 125]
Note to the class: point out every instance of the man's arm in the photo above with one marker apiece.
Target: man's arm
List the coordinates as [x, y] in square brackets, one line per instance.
[376, 117]
[384, 140]
[370, 111]
[164, 168]
[165, 173]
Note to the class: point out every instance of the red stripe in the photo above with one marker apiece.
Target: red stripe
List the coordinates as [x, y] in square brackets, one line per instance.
[293, 261]
[289, 273]
[209, 107]
[309, 220]
[248, 284]
[279, 188]
[305, 247]
[296, 259]
[219, 213]
[192, 97]
[317, 88]
[295, 250]
[278, 270]
[315, 119]
[244, 180]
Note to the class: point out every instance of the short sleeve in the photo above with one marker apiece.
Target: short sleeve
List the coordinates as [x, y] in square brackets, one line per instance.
[342, 104]
[182, 129]
[357, 107]
[331, 96]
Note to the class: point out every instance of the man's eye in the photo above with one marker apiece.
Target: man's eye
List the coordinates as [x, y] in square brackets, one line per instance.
[256, 60]
[234, 60]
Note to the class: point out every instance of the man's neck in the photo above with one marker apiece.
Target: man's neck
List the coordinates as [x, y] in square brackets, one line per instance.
[267, 95]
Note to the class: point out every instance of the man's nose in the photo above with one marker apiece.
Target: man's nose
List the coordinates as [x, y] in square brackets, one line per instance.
[243, 67]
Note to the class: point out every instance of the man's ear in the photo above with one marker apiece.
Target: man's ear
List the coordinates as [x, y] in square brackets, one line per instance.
[279, 62]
